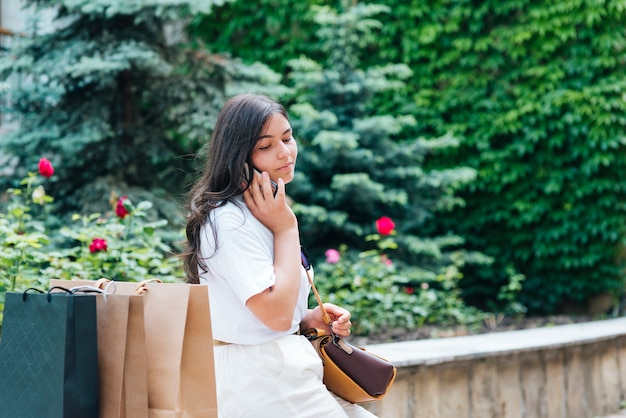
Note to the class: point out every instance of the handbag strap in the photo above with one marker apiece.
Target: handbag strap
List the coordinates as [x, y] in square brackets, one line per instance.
[314, 333]
[325, 315]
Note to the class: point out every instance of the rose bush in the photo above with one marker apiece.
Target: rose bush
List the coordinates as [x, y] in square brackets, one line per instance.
[119, 245]
[383, 295]
[128, 248]
[22, 235]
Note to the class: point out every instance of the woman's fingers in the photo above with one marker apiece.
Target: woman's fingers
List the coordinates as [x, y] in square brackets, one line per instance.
[341, 324]
[341, 329]
[262, 189]
[273, 212]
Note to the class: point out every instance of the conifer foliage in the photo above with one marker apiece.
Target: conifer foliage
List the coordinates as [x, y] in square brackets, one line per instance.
[111, 95]
[355, 167]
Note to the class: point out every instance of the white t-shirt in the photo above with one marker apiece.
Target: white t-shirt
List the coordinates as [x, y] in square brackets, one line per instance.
[243, 266]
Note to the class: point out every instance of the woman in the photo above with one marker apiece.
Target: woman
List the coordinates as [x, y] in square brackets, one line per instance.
[243, 241]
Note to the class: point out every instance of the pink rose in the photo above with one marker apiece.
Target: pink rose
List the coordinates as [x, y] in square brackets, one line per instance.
[332, 256]
[97, 244]
[45, 168]
[385, 225]
[120, 209]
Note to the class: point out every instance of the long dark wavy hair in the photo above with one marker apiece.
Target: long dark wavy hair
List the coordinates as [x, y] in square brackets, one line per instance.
[236, 133]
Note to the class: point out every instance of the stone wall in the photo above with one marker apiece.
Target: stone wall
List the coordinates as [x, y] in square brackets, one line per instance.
[569, 371]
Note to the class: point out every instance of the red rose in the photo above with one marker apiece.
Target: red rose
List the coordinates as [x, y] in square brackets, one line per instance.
[97, 244]
[385, 225]
[45, 168]
[120, 209]
[409, 290]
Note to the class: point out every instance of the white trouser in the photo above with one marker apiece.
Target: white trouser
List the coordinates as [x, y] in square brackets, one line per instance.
[279, 379]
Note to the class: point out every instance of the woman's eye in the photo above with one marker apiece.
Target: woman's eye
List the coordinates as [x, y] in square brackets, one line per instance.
[288, 139]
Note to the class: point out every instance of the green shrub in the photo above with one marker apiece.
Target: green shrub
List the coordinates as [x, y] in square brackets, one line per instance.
[134, 250]
[385, 294]
[23, 236]
[121, 245]
[381, 291]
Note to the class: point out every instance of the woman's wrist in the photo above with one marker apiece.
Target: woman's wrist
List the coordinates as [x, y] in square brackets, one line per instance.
[306, 321]
[291, 232]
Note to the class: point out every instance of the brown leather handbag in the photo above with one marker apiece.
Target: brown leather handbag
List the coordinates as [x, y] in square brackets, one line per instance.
[351, 372]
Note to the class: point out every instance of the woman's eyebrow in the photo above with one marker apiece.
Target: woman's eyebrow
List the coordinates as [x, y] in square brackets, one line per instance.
[270, 136]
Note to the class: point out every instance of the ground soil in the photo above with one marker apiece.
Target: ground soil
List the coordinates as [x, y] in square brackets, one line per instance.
[496, 324]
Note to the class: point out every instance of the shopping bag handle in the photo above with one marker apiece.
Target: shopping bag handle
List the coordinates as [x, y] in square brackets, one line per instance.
[41, 291]
[50, 291]
[26, 291]
[142, 288]
[79, 289]
[92, 289]
[103, 284]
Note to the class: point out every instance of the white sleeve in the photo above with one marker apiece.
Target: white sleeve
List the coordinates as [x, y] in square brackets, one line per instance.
[245, 252]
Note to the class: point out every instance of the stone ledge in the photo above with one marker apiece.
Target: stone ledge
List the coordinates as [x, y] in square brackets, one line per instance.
[443, 350]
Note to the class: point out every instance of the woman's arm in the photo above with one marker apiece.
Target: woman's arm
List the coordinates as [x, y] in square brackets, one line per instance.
[275, 306]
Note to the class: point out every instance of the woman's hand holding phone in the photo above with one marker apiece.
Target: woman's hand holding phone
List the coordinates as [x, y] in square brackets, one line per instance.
[268, 203]
[255, 173]
[272, 182]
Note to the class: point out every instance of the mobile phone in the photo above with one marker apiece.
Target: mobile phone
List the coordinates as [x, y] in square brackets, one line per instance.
[272, 182]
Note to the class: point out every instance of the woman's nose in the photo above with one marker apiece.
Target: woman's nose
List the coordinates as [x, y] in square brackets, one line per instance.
[284, 150]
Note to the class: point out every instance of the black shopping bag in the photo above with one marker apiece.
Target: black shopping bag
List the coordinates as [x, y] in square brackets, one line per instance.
[49, 356]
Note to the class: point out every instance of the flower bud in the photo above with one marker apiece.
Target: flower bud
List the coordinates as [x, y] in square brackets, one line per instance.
[45, 168]
[39, 195]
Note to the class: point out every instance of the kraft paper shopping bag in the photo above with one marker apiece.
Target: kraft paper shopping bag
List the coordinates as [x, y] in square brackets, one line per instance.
[121, 351]
[179, 348]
